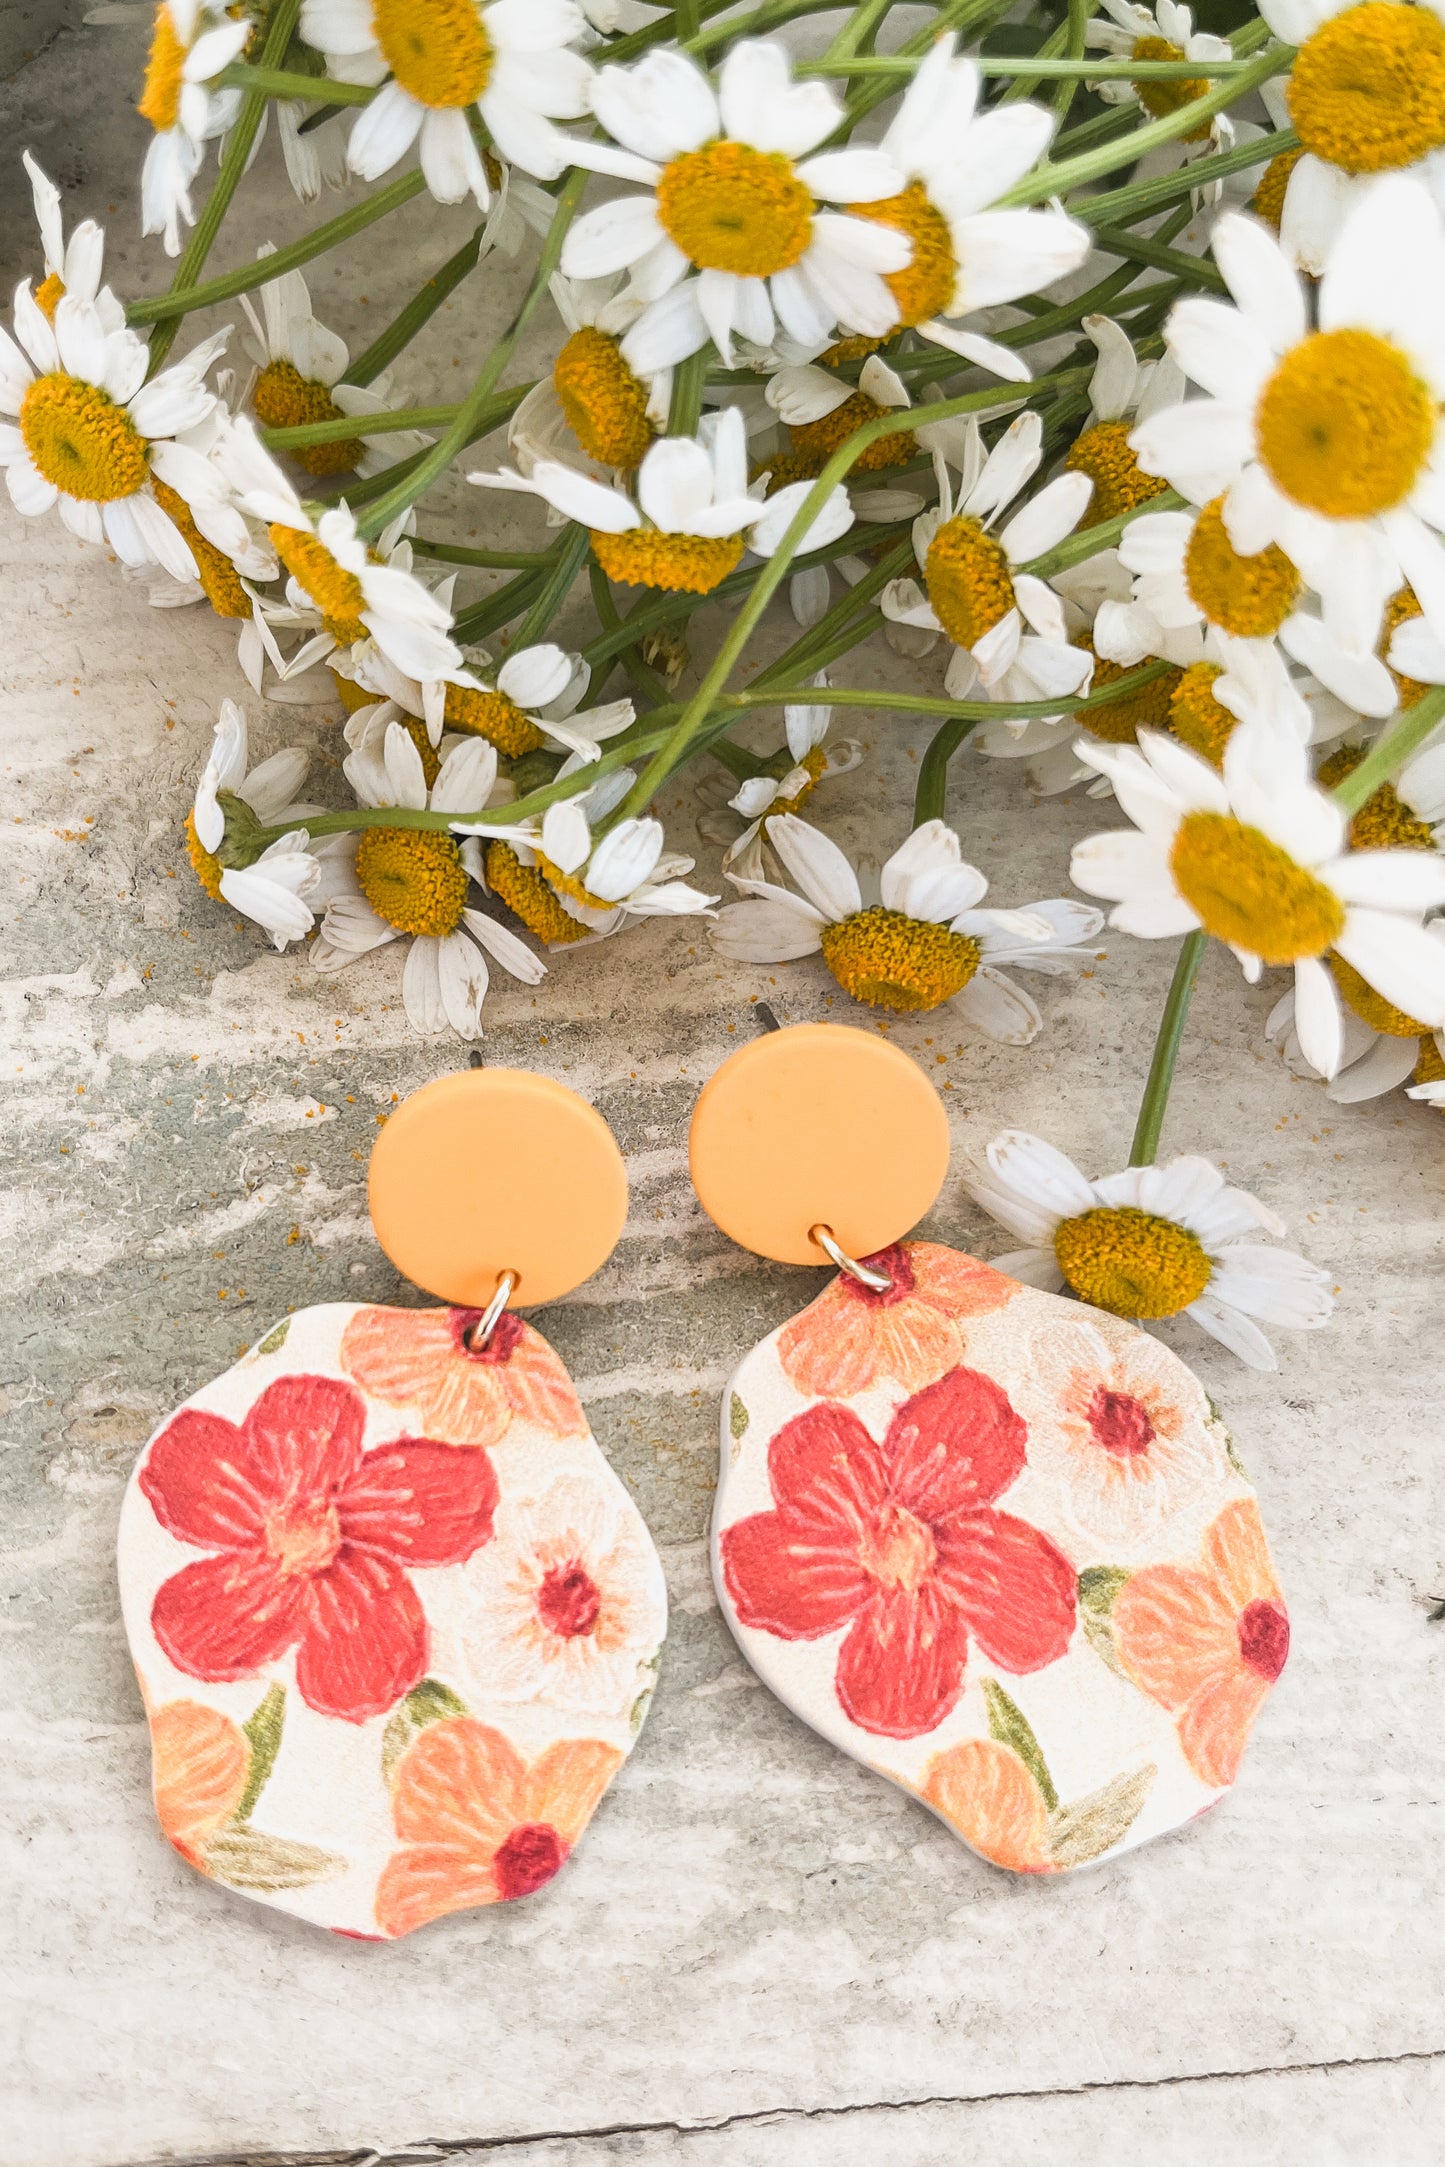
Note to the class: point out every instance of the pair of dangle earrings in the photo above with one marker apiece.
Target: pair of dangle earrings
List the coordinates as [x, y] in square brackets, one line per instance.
[397, 1622]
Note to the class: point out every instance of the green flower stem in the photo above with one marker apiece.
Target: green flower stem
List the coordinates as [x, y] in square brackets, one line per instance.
[1076, 548]
[923, 703]
[952, 15]
[556, 587]
[358, 493]
[179, 303]
[1071, 173]
[685, 23]
[500, 608]
[1141, 248]
[646, 681]
[1030, 71]
[1040, 67]
[1389, 753]
[282, 83]
[1145, 1147]
[349, 425]
[234, 161]
[857, 34]
[487, 560]
[840, 628]
[931, 795]
[756, 25]
[688, 379]
[442, 453]
[1141, 197]
[418, 311]
[638, 42]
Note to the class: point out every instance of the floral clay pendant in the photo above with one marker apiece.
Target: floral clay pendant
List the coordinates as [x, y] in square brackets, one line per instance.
[992, 1543]
[395, 1619]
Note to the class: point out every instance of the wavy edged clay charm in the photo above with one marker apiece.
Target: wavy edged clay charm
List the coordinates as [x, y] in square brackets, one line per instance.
[996, 1546]
[396, 1622]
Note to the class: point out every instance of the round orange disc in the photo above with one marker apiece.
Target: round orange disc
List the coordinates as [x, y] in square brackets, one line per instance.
[818, 1123]
[496, 1170]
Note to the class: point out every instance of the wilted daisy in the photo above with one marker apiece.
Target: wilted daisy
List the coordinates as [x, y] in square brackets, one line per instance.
[1324, 443]
[1122, 391]
[967, 255]
[442, 65]
[1150, 1242]
[684, 529]
[274, 888]
[778, 787]
[91, 432]
[190, 45]
[1258, 856]
[1382, 1047]
[975, 591]
[534, 699]
[737, 200]
[395, 882]
[299, 362]
[1164, 31]
[564, 886]
[925, 941]
[345, 588]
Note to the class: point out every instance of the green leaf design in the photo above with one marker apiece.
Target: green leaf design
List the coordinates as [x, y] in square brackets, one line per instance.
[1011, 1727]
[263, 1733]
[1099, 1587]
[1226, 1436]
[429, 1702]
[245, 1858]
[1088, 1827]
[275, 1338]
[738, 1416]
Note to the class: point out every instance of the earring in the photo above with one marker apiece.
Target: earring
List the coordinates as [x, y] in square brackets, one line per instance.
[396, 1621]
[994, 1544]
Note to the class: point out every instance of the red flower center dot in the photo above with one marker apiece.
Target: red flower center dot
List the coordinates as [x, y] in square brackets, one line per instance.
[303, 1535]
[504, 1336]
[898, 1550]
[1120, 1423]
[1264, 1638]
[569, 1600]
[529, 1858]
[893, 1261]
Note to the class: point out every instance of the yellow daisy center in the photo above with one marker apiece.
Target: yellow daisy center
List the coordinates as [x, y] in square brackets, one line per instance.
[1131, 1262]
[1160, 95]
[436, 49]
[926, 285]
[568, 884]
[1345, 425]
[334, 591]
[81, 440]
[1367, 90]
[430, 757]
[1268, 200]
[528, 897]
[204, 863]
[160, 99]
[813, 764]
[1121, 721]
[851, 349]
[1120, 483]
[1371, 1007]
[968, 581]
[818, 440]
[49, 294]
[1430, 1068]
[732, 208]
[220, 581]
[1400, 608]
[1249, 892]
[890, 960]
[680, 563]
[413, 878]
[1248, 596]
[285, 399]
[1384, 821]
[493, 716]
[1196, 717]
[353, 695]
[605, 404]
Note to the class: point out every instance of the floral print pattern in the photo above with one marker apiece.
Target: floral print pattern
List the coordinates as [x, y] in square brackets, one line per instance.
[423, 1359]
[388, 1673]
[850, 1338]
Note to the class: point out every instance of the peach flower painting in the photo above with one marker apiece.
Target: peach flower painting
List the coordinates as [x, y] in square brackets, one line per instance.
[423, 1359]
[851, 1337]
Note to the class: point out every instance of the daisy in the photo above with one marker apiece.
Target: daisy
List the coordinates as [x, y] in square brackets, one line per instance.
[1150, 1242]
[612, 412]
[734, 237]
[1163, 32]
[533, 700]
[395, 882]
[441, 66]
[335, 580]
[564, 886]
[273, 888]
[762, 797]
[821, 410]
[924, 942]
[298, 366]
[1123, 390]
[1382, 1047]
[1257, 855]
[90, 431]
[571, 1601]
[684, 528]
[1323, 443]
[975, 592]
[191, 43]
[1366, 96]
[71, 267]
[956, 163]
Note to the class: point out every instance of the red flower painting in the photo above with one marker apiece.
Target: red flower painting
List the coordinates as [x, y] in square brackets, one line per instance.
[900, 1542]
[313, 1540]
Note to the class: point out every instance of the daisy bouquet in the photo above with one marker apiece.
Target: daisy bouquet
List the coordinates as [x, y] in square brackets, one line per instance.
[1098, 354]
